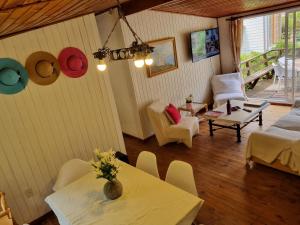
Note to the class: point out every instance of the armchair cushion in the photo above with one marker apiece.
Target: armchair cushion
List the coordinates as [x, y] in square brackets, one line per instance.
[166, 132]
[173, 113]
[227, 86]
[169, 117]
[222, 98]
[227, 83]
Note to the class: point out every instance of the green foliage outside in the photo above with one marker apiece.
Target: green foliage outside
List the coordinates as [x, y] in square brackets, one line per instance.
[257, 61]
[281, 43]
[249, 55]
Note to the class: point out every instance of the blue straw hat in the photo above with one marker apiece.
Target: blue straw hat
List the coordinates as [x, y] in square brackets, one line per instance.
[13, 76]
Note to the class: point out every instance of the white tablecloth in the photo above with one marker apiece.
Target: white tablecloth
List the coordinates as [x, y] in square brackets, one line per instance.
[146, 200]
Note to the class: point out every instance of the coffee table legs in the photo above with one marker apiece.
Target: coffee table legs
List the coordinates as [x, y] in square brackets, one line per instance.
[236, 127]
[211, 131]
[238, 133]
[260, 123]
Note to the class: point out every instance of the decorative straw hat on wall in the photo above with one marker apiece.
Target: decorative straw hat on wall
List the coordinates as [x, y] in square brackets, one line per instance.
[13, 76]
[43, 68]
[73, 62]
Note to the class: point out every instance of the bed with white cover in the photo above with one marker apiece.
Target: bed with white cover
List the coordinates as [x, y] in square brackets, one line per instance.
[279, 145]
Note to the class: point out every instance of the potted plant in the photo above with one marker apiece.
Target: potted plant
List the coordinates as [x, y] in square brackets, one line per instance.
[107, 166]
[189, 101]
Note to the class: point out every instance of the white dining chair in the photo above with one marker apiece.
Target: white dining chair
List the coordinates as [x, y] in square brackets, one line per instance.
[279, 74]
[147, 162]
[71, 171]
[181, 175]
[5, 213]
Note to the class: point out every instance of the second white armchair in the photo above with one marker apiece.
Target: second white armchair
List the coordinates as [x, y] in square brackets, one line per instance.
[228, 86]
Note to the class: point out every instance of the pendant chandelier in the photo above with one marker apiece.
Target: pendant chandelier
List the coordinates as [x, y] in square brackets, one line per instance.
[139, 51]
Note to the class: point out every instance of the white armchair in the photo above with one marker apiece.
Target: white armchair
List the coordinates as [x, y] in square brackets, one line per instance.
[166, 132]
[228, 86]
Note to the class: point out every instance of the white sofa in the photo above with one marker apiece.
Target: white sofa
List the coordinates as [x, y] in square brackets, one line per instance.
[166, 132]
[280, 143]
[227, 86]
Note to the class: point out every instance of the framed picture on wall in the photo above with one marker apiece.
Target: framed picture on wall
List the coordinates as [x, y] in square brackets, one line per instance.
[164, 56]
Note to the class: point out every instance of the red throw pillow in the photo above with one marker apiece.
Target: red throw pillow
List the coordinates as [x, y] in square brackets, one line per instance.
[173, 113]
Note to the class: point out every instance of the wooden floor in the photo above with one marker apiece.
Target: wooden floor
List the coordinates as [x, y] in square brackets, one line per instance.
[233, 195]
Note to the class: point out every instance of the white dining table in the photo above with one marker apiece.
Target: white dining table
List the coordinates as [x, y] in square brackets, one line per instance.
[146, 200]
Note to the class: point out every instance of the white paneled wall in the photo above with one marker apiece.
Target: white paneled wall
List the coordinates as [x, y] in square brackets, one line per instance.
[174, 86]
[44, 126]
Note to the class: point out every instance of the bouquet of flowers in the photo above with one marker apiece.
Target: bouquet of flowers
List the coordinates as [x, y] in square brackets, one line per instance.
[106, 166]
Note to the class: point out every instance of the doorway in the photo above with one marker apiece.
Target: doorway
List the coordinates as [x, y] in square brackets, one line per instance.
[271, 53]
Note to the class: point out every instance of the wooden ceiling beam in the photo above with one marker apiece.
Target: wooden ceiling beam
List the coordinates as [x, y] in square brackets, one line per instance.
[135, 6]
[20, 4]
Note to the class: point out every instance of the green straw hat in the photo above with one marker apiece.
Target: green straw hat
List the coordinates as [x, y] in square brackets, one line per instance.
[13, 76]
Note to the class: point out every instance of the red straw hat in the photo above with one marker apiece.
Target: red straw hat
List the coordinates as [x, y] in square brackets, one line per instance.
[73, 62]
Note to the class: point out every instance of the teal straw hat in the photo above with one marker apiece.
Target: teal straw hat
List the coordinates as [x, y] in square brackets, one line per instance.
[13, 76]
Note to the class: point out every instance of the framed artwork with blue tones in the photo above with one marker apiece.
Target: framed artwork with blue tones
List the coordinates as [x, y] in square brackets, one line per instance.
[164, 56]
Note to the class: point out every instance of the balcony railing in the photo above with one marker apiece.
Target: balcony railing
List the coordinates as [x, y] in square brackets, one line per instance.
[259, 66]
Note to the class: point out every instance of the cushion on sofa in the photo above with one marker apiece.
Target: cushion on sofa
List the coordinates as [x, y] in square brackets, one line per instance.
[170, 119]
[288, 122]
[283, 133]
[295, 112]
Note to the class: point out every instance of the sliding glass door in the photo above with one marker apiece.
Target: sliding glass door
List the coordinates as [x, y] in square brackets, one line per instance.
[271, 53]
[290, 61]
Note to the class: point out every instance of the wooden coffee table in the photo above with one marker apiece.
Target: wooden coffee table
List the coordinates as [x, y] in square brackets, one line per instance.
[237, 120]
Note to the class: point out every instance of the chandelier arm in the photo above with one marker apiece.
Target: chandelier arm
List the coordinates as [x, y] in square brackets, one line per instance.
[123, 17]
[112, 30]
[134, 34]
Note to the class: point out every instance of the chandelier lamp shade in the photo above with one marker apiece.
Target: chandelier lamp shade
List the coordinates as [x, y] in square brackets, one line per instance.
[139, 51]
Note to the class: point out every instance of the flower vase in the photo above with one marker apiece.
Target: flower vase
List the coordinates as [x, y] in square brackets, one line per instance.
[189, 105]
[113, 189]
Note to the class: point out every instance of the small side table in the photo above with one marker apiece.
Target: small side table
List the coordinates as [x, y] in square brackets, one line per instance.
[196, 108]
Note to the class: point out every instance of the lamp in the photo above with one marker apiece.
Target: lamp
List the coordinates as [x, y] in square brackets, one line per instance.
[148, 60]
[139, 51]
[139, 60]
[101, 65]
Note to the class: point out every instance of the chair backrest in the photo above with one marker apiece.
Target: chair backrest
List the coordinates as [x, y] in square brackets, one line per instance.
[227, 83]
[181, 174]
[4, 210]
[278, 70]
[281, 70]
[147, 162]
[158, 119]
[71, 171]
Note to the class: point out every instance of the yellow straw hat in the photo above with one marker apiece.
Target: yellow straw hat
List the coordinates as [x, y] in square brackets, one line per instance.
[43, 68]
